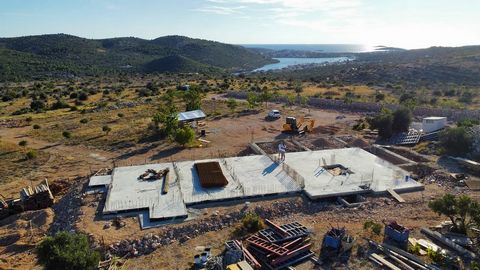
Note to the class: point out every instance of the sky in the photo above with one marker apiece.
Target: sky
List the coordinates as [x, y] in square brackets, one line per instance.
[400, 23]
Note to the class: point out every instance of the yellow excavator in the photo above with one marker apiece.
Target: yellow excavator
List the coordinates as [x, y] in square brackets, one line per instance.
[300, 125]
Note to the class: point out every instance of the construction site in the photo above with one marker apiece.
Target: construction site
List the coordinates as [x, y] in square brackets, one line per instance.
[334, 200]
[164, 191]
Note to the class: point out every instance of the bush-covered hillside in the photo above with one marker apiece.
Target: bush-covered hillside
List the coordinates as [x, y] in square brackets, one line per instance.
[61, 55]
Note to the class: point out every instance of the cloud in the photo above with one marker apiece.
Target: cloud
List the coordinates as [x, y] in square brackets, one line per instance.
[281, 8]
[305, 5]
[221, 10]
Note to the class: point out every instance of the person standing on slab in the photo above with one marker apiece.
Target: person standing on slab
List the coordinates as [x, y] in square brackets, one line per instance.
[282, 148]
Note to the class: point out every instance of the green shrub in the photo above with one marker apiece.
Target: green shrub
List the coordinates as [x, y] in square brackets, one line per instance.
[120, 115]
[414, 249]
[252, 222]
[22, 143]
[232, 104]
[106, 129]
[36, 126]
[59, 104]
[67, 251]
[32, 154]
[436, 256]
[456, 141]
[67, 134]
[82, 96]
[84, 120]
[37, 105]
[376, 228]
[184, 135]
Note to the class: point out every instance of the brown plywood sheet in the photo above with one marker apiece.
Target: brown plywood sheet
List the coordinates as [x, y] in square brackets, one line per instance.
[210, 174]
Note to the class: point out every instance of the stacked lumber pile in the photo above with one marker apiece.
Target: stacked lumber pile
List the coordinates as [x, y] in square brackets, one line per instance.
[397, 259]
[35, 198]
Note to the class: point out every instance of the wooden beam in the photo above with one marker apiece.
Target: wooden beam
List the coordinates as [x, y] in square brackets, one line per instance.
[384, 262]
[395, 195]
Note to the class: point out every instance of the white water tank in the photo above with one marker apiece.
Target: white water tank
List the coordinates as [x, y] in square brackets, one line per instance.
[431, 124]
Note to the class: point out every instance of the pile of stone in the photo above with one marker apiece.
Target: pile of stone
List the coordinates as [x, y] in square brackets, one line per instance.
[67, 209]
[150, 242]
[440, 178]
[12, 123]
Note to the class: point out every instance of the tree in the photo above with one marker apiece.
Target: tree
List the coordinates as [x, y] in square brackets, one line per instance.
[252, 100]
[67, 251]
[37, 105]
[265, 97]
[184, 135]
[83, 96]
[192, 98]
[379, 96]
[456, 141]
[383, 122]
[402, 118]
[298, 89]
[461, 210]
[389, 123]
[232, 104]
[106, 129]
[290, 100]
[167, 117]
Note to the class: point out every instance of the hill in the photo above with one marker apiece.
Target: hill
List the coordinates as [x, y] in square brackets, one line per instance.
[431, 67]
[61, 55]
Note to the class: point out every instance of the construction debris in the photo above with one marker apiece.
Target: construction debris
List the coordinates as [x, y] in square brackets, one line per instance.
[449, 243]
[396, 232]
[337, 241]
[277, 247]
[152, 175]
[31, 198]
[400, 259]
[395, 195]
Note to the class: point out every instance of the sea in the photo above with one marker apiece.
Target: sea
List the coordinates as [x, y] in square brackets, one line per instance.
[289, 62]
[325, 48]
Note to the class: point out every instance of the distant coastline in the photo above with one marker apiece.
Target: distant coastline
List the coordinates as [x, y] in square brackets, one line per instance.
[323, 48]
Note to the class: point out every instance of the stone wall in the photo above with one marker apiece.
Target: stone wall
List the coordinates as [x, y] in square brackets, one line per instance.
[370, 107]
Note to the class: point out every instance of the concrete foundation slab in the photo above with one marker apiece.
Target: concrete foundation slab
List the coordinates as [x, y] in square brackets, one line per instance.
[320, 174]
[368, 173]
[127, 192]
[248, 176]
[100, 180]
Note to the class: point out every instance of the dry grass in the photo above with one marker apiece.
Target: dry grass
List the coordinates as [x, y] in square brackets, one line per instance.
[14, 165]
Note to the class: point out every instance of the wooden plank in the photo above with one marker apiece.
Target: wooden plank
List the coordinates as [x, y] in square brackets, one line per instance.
[395, 195]
[399, 261]
[385, 262]
[440, 238]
